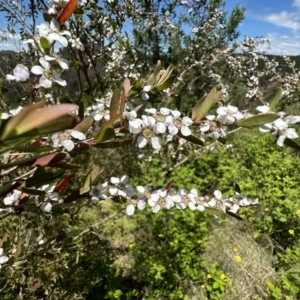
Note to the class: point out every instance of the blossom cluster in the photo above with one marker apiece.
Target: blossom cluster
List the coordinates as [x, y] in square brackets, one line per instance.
[157, 122]
[163, 198]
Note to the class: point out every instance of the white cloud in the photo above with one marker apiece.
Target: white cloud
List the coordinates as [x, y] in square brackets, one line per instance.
[282, 44]
[296, 3]
[285, 18]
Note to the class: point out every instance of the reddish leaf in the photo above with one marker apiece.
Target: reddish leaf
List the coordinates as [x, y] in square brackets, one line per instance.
[67, 12]
[63, 183]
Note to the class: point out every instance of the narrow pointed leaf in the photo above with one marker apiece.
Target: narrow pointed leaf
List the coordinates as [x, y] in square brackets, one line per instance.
[63, 183]
[45, 45]
[84, 125]
[292, 144]
[14, 121]
[203, 105]
[113, 144]
[92, 176]
[126, 86]
[214, 211]
[276, 99]
[192, 139]
[67, 12]
[166, 83]
[115, 103]
[9, 187]
[105, 134]
[39, 160]
[258, 120]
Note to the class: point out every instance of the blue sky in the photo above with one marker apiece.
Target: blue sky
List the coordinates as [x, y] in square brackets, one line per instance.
[277, 20]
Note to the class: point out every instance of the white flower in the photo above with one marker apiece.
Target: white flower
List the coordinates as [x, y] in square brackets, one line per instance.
[280, 127]
[76, 43]
[99, 192]
[63, 139]
[228, 115]
[3, 258]
[21, 74]
[48, 75]
[121, 187]
[197, 202]
[46, 207]
[175, 123]
[55, 34]
[144, 127]
[217, 202]
[12, 198]
[160, 117]
[159, 199]
[145, 95]
[183, 200]
[101, 113]
[140, 204]
[64, 63]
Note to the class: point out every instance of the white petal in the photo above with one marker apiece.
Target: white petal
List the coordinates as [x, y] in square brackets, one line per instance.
[113, 190]
[292, 119]
[141, 205]
[130, 209]
[44, 63]
[263, 108]
[115, 180]
[124, 179]
[64, 63]
[46, 207]
[281, 140]
[266, 127]
[78, 135]
[3, 259]
[141, 142]
[218, 194]
[37, 70]
[291, 133]
[176, 113]
[155, 208]
[173, 130]
[10, 77]
[152, 111]
[45, 82]
[68, 144]
[155, 141]
[160, 127]
[185, 131]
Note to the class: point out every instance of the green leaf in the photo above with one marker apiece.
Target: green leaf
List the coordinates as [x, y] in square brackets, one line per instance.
[115, 103]
[203, 105]
[191, 138]
[258, 120]
[113, 144]
[92, 176]
[34, 120]
[214, 211]
[18, 250]
[39, 160]
[47, 17]
[105, 134]
[276, 99]
[42, 176]
[45, 45]
[84, 125]
[8, 187]
[165, 84]
[292, 144]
